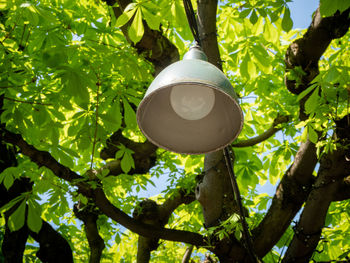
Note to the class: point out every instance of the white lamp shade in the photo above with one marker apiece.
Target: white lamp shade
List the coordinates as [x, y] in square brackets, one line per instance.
[195, 126]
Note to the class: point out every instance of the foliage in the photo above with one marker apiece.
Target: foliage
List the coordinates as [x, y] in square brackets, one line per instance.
[70, 79]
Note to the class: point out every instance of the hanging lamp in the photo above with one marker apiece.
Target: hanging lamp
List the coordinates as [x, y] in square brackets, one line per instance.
[190, 107]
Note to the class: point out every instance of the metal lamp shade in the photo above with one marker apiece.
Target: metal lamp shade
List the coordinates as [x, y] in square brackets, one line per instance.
[165, 128]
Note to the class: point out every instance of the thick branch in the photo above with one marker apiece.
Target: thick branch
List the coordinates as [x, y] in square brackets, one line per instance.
[155, 47]
[306, 51]
[42, 158]
[207, 30]
[149, 212]
[144, 154]
[187, 256]
[45, 159]
[343, 192]
[214, 192]
[173, 202]
[264, 136]
[333, 168]
[52, 245]
[290, 195]
[13, 243]
[144, 229]
[89, 215]
[296, 183]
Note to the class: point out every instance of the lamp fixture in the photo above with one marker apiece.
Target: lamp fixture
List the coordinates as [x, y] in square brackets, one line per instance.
[190, 107]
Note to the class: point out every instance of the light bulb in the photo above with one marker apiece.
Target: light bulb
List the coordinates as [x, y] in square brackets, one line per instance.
[192, 102]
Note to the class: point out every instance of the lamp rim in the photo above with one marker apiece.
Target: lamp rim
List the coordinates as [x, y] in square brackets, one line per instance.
[149, 96]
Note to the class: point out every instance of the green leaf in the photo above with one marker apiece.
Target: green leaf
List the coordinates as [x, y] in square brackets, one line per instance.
[312, 102]
[332, 75]
[270, 32]
[136, 29]
[287, 22]
[262, 57]
[75, 84]
[8, 181]
[34, 221]
[262, 12]
[152, 20]
[4, 4]
[30, 14]
[304, 135]
[124, 18]
[17, 218]
[69, 151]
[244, 13]
[8, 176]
[253, 17]
[313, 137]
[129, 115]
[113, 118]
[305, 92]
[55, 57]
[126, 163]
[329, 7]
[244, 66]
[119, 154]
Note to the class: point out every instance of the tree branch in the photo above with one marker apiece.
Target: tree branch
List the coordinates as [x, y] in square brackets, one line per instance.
[187, 256]
[291, 193]
[265, 135]
[52, 245]
[43, 158]
[14, 242]
[143, 229]
[333, 167]
[214, 192]
[149, 212]
[296, 183]
[144, 154]
[89, 215]
[155, 47]
[306, 51]
[343, 192]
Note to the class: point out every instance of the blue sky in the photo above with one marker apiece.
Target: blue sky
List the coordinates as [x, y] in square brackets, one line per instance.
[301, 12]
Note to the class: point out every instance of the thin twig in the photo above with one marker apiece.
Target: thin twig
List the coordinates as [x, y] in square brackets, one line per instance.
[98, 84]
[265, 135]
[9, 33]
[20, 42]
[187, 256]
[28, 102]
[246, 235]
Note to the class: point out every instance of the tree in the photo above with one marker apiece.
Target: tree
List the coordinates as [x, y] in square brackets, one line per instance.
[73, 160]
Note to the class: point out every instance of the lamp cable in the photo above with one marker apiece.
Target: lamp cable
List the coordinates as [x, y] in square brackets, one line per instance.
[246, 234]
[191, 18]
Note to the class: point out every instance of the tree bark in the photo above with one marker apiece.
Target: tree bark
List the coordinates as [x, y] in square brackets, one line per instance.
[53, 247]
[296, 184]
[334, 167]
[89, 215]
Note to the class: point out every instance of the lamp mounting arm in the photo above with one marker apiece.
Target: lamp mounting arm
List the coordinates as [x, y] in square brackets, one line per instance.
[192, 22]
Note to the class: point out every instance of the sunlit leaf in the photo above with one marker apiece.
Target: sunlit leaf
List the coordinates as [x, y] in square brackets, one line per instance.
[312, 102]
[17, 218]
[287, 22]
[34, 220]
[136, 29]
